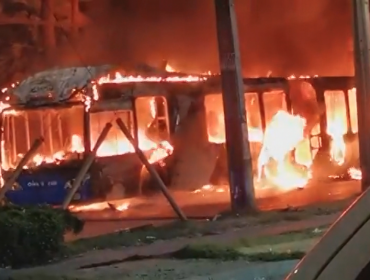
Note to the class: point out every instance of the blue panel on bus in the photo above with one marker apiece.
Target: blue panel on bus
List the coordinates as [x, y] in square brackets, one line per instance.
[47, 187]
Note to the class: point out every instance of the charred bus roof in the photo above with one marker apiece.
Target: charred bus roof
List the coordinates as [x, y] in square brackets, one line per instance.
[71, 85]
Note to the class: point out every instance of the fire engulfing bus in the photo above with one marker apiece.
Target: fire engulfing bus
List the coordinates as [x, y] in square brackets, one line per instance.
[300, 130]
[67, 110]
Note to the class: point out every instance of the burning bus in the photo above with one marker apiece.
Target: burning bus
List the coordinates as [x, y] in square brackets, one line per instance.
[300, 130]
[67, 109]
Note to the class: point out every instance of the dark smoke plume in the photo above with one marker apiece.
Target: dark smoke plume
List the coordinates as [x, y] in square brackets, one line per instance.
[285, 36]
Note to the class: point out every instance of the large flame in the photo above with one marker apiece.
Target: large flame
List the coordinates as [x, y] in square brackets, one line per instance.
[284, 157]
[278, 158]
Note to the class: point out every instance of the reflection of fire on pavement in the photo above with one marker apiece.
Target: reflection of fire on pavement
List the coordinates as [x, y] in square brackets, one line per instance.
[98, 206]
[212, 189]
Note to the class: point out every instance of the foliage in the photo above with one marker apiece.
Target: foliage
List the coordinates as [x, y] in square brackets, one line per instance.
[34, 234]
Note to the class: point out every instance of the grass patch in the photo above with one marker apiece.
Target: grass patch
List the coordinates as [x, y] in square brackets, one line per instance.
[144, 235]
[302, 213]
[281, 238]
[227, 253]
[208, 251]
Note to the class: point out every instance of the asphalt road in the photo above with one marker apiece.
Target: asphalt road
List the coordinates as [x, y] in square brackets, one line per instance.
[203, 204]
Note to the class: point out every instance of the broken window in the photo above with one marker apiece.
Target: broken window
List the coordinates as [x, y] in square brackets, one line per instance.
[254, 120]
[337, 125]
[336, 114]
[215, 118]
[216, 123]
[61, 128]
[116, 142]
[152, 121]
[273, 101]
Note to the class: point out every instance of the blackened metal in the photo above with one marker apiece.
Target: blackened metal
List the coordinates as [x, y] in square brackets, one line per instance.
[362, 72]
[288, 100]
[320, 96]
[237, 144]
[87, 133]
[135, 123]
[152, 171]
[220, 172]
[348, 112]
[262, 110]
[2, 140]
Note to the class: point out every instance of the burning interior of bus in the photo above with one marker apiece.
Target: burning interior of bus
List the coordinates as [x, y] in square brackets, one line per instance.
[70, 131]
[301, 131]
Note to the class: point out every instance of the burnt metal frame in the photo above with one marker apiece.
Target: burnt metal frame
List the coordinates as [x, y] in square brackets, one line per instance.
[322, 84]
[23, 107]
[130, 91]
[319, 84]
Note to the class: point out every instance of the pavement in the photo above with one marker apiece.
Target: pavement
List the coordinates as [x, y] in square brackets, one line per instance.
[203, 204]
[260, 271]
[171, 271]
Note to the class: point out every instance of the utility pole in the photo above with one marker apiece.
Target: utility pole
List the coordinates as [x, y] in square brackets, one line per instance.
[236, 130]
[361, 40]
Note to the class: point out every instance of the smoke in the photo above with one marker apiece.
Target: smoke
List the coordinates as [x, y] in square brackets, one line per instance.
[285, 37]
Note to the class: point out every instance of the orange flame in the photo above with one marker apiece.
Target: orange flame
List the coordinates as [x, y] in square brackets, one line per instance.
[119, 79]
[283, 134]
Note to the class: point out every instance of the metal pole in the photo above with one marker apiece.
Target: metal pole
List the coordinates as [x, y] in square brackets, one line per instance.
[236, 130]
[151, 170]
[361, 48]
[86, 165]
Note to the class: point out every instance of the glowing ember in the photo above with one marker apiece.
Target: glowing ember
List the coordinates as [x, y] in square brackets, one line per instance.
[355, 173]
[162, 150]
[98, 206]
[119, 79]
[170, 69]
[156, 152]
[211, 189]
[293, 77]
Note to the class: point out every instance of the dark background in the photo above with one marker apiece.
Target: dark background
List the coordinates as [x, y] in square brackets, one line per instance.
[302, 37]
[284, 36]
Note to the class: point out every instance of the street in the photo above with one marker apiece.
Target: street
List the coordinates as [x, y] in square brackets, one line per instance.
[201, 205]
